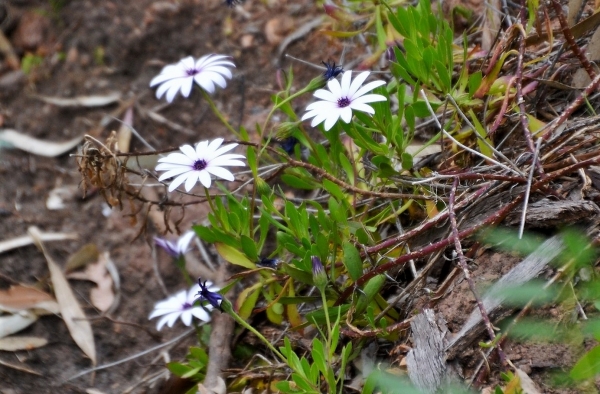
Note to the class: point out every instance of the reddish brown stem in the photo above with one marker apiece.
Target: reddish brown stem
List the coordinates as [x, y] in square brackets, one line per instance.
[585, 63]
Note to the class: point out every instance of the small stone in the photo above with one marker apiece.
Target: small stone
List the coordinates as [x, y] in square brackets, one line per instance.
[247, 40]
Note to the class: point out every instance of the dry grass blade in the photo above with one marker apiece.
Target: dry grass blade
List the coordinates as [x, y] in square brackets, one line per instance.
[72, 314]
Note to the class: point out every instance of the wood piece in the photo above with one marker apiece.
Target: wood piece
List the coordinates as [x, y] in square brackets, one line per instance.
[528, 269]
[219, 349]
[426, 362]
[550, 214]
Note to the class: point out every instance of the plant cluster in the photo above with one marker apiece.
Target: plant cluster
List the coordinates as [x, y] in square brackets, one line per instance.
[357, 173]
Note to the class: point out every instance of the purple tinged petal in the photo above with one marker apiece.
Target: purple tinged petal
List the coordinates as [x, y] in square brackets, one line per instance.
[186, 87]
[210, 79]
[184, 241]
[170, 96]
[187, 63]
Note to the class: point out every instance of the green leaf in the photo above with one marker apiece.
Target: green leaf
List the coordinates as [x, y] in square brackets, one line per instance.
[178, 368]
[249, 247]
[294, 181]
[407, 161]
[381, 36]
[352, 261]
[334, 190]
[372, 287]
[337, 211]
[247, 300]
[234, 256]
[318, 354]
[251, 158]
[588, 366]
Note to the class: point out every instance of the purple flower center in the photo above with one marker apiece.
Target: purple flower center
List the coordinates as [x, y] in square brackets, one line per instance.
[186, 305]
[199, 165]
[343, 102]
[192, 71]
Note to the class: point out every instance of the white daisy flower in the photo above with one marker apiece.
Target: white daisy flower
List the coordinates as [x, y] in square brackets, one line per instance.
[181, 305]
[206, 72]
[341, 99]
[193, 165]
[178, 248]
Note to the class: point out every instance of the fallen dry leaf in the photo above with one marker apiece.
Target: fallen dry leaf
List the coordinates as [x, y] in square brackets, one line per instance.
[19, 368]
[82, 101]
[20, 298]
[101, 296]
[72, 314]
[15, 323]
[37, 146]
[87, 254]
[18, 242]
[527, 384]
[12, 344]
[124, 133]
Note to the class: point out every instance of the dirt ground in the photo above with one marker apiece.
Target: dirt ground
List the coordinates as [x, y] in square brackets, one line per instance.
[90, 48]
[95, 48]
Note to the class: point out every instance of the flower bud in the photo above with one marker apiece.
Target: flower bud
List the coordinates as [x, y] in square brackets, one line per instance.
[319, 275]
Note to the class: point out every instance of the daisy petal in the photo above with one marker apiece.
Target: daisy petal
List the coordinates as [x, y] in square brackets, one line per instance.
[367, 88]
[178, 181]
[204, 178]
[201, 314]
[221, 173]
[346, 114]
[191, 180]
[357, 83]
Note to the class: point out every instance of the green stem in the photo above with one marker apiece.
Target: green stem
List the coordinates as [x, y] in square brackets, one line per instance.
[227, 307]
[180, 263]
[218, 114]
[285, 101]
